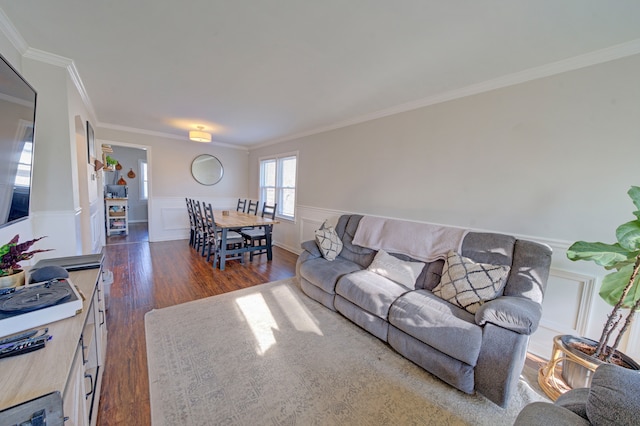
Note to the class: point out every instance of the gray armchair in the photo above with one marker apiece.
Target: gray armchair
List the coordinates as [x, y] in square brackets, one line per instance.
[612, 399]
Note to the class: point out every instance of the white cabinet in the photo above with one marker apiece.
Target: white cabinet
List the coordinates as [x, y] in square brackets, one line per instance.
[116, 210]
[82, 392]
[72, 363]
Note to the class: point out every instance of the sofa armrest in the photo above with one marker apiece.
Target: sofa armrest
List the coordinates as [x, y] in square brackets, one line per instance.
[546, 413]
[575, 400]
[513, 313]
[312, 248]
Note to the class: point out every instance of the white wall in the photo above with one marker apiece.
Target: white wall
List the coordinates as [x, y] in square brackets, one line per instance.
[170, 179]
[549, 160]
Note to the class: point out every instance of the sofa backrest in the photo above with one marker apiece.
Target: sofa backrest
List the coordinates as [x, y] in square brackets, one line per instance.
[529, 261]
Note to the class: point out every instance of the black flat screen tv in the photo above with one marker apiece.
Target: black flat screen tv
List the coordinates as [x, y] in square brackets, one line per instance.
[17, 130]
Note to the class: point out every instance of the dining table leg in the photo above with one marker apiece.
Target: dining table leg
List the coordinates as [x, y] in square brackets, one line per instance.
[268, 230]
[223, 248]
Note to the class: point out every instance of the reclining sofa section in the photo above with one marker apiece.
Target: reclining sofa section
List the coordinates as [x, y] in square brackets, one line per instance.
[483, 352]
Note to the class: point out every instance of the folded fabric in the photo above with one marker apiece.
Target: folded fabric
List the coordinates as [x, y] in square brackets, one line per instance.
[421, 241]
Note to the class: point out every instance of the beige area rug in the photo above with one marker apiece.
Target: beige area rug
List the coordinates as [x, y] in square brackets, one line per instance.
[269, 355]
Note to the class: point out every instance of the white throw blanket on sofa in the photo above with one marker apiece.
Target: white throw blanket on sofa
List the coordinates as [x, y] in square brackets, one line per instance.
[421, 241]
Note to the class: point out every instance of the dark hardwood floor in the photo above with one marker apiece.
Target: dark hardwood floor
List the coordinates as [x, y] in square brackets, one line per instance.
[138, 232]
[150, 276]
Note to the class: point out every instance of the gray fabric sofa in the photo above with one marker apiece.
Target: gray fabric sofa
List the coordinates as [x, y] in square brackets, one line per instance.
[612, 399]
[484, 352]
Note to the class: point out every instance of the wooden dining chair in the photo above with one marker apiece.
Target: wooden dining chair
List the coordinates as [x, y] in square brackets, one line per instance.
[242, 204]
[201, 233]
[214, 239]
[192, 222]
[252, 207]
[258, 234]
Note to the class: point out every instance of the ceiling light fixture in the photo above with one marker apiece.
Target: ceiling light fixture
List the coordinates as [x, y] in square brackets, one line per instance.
[199, 135]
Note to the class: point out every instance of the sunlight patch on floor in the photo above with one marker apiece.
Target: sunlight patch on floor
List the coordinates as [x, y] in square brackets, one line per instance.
[295, 311]
[260, 320]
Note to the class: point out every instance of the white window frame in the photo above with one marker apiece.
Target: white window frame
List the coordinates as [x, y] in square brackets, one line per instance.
[279, 188]
[144, 180]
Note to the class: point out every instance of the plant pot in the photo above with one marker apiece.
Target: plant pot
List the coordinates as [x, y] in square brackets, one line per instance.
[14, 280]
[579, 375]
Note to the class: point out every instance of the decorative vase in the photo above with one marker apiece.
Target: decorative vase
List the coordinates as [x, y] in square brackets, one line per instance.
[14, 280]
[131, 174]
[579, 374]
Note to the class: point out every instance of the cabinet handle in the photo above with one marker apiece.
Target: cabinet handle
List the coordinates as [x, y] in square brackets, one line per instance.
[84, 359]
[90, 377]
[102, 315]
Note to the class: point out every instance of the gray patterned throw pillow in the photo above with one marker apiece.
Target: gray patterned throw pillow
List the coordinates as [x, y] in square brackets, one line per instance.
[328, 242]
[468, 284]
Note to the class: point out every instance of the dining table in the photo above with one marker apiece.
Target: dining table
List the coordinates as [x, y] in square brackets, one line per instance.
[226, 220]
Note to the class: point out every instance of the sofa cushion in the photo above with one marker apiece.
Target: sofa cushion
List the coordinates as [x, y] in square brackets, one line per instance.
[399, 271]
[468, 284]
[328, 242]
[439, 324]
[370, 291]
[325, 274]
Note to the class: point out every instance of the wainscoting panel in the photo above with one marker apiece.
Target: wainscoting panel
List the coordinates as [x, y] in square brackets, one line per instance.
[61, 229]
[633, 347]
[566, 309]
[168, 219]
[97, 223]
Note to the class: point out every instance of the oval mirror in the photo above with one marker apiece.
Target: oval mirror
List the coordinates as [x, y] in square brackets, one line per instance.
[207, 169]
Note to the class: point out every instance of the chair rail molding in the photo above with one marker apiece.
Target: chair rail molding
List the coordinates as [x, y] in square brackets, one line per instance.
[571, 304]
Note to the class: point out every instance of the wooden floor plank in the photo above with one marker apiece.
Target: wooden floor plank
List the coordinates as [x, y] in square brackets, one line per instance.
[152, 276]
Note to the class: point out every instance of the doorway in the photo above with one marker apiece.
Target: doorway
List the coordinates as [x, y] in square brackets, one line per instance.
[127, 180]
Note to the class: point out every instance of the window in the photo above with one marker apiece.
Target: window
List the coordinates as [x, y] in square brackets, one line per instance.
[278, 183]
[23, 175]
[144, 180]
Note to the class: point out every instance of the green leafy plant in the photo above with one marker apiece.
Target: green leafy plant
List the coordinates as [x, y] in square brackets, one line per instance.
[619, 289]
[111, 161]
[14, 252]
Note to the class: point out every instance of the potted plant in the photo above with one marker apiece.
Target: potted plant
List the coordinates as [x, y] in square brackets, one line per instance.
[620, 289]
[111, 162]
[11, 274]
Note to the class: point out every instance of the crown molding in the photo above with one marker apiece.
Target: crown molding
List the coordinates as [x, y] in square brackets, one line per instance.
[165, 135]
[619, 51]
[70, 66]
[12, 34]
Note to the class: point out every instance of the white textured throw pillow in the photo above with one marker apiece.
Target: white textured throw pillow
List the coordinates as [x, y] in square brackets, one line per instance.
[328, 242]
[400, 271]
[468, 284]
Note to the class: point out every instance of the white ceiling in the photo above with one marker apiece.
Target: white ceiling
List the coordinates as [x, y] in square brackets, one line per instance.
[254, 72]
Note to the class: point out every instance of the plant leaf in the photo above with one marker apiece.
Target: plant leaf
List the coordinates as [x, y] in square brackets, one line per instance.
[634, 193]
[613, 285]
[607, 255]
[628, 235]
